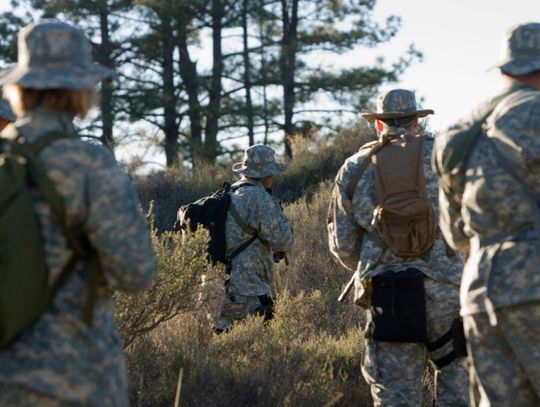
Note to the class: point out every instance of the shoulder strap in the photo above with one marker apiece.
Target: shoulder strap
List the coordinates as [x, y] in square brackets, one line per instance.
[38, 145]
[462, 146]
[374, 147]
[48, 191]
[243, 225]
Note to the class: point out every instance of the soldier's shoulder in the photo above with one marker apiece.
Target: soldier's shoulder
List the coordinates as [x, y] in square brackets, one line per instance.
[524, 104]
[355, 163]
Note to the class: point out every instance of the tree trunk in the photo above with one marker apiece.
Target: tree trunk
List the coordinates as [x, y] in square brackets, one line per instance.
[106, 97]
[188, 73]
[213, 109]
[169, 103]
[247, 74]
[288, 68]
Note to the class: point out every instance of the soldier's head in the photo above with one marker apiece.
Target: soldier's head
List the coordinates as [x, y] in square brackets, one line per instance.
[396, 112]
[521, 54]
[260, 164]
[6, 115]
[55, 70]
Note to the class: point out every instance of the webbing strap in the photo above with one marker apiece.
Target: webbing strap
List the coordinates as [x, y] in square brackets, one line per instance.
[243, 225]
[462, 146]
[440, 342]
[49, 193]
[445, 360]
[47, 139]
[361, 169]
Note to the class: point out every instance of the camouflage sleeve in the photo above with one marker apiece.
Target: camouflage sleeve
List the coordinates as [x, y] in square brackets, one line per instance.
[116, 227]
[271, 223]
[449, 196]
[344, 234]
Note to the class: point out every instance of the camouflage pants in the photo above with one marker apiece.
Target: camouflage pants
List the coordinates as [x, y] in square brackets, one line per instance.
[237, 308]
[505, 359]
[14, 396]
[394, 371]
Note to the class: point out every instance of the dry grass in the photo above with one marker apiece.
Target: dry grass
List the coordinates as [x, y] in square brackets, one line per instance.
[309, 355]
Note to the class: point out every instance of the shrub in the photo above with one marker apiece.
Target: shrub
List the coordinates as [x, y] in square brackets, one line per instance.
[292, 361]
[319, 160]
[308, 355]
[176, 289]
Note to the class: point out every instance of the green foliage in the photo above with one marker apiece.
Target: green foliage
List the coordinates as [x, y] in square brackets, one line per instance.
[181, 265]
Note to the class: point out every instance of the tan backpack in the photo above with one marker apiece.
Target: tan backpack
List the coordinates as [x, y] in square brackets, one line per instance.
[404, 212]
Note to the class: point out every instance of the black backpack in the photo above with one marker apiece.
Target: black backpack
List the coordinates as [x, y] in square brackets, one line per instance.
[210, 212]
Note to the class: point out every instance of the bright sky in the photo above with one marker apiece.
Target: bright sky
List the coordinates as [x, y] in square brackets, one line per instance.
[460, 40]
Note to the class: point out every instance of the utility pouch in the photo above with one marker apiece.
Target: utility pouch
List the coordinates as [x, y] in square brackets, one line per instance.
[398, 307]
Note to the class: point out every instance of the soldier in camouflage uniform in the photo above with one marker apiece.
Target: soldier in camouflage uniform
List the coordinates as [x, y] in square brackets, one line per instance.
[60, 360]
[394, 370]
[489, 205]
[249, 289]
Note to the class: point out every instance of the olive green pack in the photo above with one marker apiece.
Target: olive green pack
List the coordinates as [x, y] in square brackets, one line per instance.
[25, 290]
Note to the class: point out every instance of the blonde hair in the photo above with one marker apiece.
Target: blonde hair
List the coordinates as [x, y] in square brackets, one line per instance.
[74, 102]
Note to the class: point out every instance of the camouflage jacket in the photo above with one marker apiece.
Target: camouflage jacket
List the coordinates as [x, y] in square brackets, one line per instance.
[60, 355]
[492, 202]
[252, 270]
[346, 217]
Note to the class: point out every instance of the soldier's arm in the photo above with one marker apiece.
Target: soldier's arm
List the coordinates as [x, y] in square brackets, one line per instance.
[449, 197]
[271, 223]
[116, 227]
[344, 234]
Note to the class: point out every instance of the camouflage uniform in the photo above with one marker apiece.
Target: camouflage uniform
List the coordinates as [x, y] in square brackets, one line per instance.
[6, 112]
[252, 271]
[60, 360]
[394, 370]
[492, 207]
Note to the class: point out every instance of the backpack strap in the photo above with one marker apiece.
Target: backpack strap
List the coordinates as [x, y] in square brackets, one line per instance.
[460, 146]
[81, 252]
[244, 226]
[374, 148]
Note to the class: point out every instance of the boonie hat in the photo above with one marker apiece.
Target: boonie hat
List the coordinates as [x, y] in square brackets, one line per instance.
[394, 104]
[521, 50]
[54, 55]
[259, 162]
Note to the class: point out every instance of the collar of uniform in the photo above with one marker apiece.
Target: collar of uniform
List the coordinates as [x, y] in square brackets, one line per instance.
[517, 85]
[38, 122]
[249, 182]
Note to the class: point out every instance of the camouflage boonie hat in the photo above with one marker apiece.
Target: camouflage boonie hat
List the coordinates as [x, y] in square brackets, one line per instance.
[259, 162]
[54, 55]
[394, 104]
[521, 50]
[6, 112]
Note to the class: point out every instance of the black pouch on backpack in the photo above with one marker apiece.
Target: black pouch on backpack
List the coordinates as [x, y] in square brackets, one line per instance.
[398, 307]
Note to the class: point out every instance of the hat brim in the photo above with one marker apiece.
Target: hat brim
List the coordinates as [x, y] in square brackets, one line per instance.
[520, 66]
[261, 172]
[72, 77]
[371, 116]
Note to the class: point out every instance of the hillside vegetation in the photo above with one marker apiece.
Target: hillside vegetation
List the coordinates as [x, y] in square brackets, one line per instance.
[309, 355]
